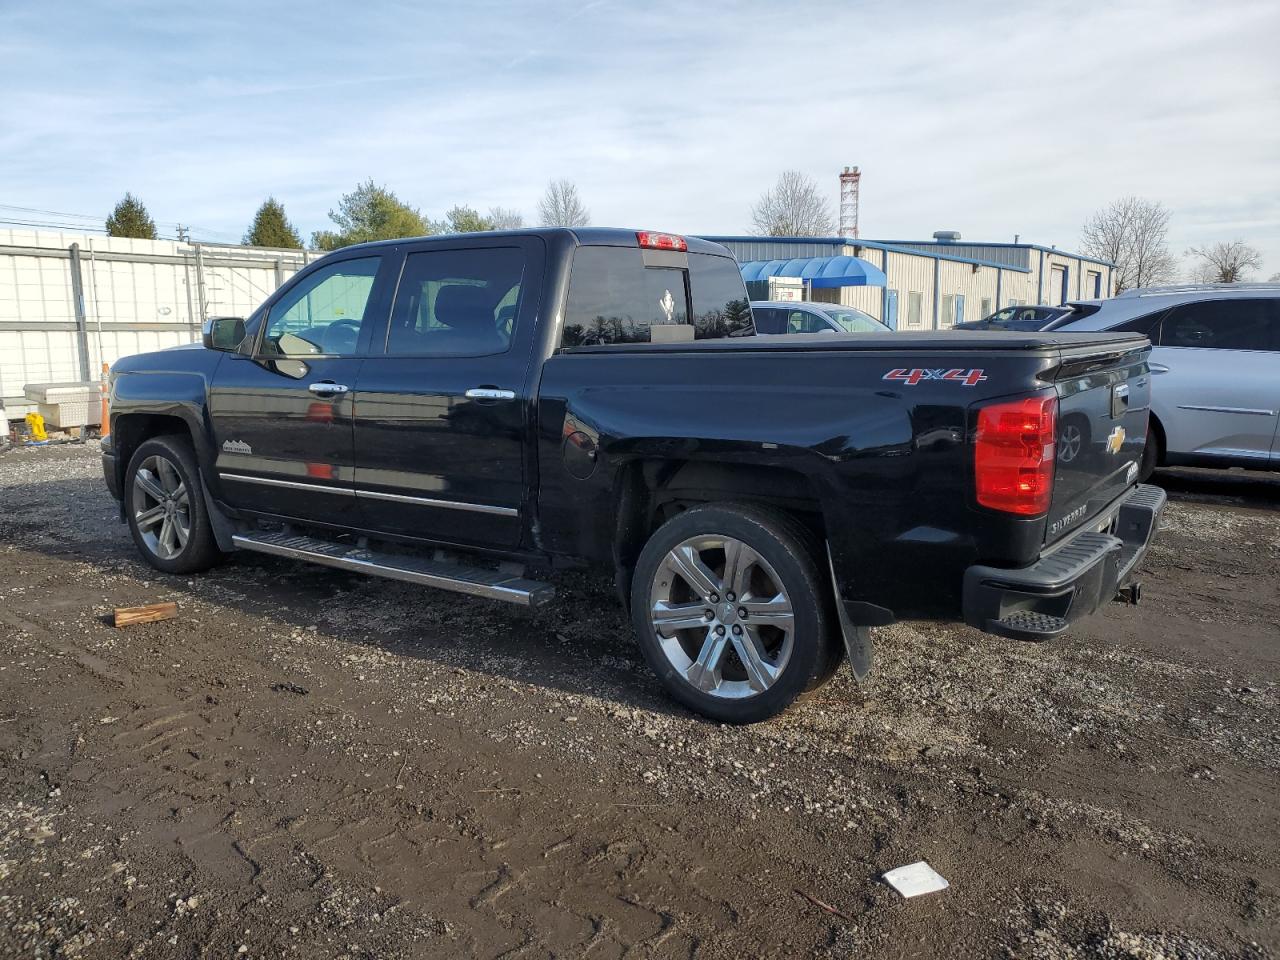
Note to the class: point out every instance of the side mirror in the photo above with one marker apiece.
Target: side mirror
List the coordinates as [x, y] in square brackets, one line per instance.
[223, 333]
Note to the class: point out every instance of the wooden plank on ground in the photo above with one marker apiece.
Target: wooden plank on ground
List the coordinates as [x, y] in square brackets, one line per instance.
[127, 616]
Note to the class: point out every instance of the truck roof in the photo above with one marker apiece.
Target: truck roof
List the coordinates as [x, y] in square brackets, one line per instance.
[583, 236]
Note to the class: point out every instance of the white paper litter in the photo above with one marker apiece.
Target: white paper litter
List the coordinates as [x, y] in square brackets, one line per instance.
[916, 879]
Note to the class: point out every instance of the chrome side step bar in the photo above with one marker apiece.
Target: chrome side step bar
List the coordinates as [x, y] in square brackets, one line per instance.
[475, 582]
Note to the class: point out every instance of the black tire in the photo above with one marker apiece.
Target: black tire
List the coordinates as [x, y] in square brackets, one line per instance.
[786, 547]
[200, 552]
[1151, 452]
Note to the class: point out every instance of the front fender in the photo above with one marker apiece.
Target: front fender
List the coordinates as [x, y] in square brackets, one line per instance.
[178, 389]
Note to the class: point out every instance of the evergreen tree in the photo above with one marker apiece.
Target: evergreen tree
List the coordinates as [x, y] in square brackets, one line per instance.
[271, 228]
[130, 219]
[370, 212]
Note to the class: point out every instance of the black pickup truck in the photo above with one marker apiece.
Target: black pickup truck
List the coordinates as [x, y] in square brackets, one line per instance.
[472, 412]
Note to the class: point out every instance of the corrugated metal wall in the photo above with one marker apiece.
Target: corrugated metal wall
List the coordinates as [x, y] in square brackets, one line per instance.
[1031, 288]
[961, 279]
[912, 277]
[139, 295]
[1012, 256]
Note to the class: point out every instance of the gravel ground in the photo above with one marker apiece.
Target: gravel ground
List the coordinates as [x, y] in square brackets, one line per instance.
[308, 763]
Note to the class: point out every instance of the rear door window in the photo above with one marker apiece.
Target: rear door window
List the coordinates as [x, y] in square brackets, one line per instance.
[615, 297]
[802, 321]
[1245, 324]
[457, 302]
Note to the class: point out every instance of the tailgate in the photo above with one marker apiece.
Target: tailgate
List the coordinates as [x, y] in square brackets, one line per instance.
[1104, 398]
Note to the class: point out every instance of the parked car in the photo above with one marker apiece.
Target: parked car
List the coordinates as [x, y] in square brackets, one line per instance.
[1021, 317]
[471, 412]
[781, 316]
[1216, 395]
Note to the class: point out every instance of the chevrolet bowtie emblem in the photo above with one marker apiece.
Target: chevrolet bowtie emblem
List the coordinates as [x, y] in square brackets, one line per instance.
[1116, 440]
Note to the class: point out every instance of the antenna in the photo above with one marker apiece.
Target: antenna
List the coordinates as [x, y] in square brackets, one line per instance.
[850, 178]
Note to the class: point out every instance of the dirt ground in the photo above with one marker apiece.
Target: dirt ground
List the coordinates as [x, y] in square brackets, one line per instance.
[309, 763]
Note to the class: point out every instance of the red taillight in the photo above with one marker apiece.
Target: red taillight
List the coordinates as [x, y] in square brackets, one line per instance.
[661, 241]
[1013, 454]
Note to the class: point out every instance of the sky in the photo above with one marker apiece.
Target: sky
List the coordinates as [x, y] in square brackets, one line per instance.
[993, 119]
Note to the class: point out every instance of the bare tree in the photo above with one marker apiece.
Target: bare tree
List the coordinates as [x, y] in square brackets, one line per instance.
[1132, 233]
[793, 208]
[500, 218]
[1274, 278]
[561, 207]
[1225, 262]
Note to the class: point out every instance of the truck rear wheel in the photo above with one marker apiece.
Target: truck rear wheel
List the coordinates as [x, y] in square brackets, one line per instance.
[164, 504]
[732, 612]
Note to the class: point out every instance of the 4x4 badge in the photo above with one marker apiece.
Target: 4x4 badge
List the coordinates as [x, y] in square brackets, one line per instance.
[1116, 440]
[969, 378]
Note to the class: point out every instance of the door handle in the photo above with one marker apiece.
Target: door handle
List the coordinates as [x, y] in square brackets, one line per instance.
[328, 389]
[1158, 368]
[490, 393]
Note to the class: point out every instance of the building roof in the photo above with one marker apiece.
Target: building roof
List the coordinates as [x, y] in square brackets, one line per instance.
[818, 272]
[874, 245]
[1012, 246]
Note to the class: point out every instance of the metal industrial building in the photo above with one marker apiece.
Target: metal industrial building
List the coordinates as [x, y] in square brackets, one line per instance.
[924, 284]
[71, 301]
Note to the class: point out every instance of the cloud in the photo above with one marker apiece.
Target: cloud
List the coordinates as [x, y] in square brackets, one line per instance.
[988, 118]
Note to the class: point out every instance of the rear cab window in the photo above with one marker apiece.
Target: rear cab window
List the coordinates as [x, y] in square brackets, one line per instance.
[626, 295]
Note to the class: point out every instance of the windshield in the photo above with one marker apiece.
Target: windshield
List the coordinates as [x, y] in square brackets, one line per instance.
[855, 321]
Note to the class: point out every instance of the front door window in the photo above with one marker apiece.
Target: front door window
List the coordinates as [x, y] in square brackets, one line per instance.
[324, 313]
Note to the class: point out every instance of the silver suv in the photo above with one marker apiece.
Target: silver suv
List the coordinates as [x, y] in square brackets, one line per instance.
[1215, 398]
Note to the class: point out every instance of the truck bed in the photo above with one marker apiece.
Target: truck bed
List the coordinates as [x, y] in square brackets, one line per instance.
[922, 340]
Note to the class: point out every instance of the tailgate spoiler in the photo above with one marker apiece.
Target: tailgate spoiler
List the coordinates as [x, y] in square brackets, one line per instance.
[1076, 361]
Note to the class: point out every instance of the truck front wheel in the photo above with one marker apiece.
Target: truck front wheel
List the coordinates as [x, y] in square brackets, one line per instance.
[732, 612]
[164, 504]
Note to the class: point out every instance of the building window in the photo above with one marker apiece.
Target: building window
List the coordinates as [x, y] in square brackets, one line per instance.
[915, 308]
[948, 315]
[986, 307]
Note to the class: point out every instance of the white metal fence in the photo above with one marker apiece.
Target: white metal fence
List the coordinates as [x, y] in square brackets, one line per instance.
[69, 301]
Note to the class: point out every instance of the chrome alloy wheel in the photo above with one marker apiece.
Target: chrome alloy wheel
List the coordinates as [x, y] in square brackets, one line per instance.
[722, 617]
[161, 507]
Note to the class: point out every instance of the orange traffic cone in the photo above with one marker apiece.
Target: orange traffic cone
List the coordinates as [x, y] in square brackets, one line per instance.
[104, 427]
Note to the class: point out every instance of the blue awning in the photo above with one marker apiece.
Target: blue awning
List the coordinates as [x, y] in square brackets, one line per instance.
[818, 272]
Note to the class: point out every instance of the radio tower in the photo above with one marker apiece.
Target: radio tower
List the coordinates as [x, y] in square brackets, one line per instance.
[849, 181]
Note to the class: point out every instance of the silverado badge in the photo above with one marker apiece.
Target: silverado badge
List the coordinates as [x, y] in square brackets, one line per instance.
[1116, 440]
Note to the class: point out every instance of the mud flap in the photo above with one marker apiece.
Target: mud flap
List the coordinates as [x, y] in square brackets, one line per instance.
[223, 528]
[857, 639]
